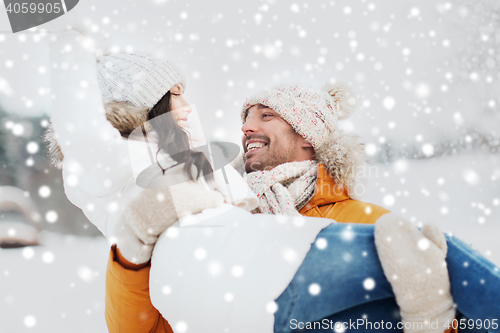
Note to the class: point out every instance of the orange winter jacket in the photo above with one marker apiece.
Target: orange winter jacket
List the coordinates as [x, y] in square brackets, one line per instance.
[128, 306]
[332, 201]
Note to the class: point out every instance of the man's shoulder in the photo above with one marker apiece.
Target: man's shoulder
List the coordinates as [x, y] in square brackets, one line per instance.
[355, 211]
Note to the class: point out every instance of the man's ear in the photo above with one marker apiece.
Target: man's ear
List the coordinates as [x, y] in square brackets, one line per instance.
[306, 150]
[305, 144]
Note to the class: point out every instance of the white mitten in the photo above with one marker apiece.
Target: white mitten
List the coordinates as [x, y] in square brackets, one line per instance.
[154, 210]
[414, 263]
[131, 247]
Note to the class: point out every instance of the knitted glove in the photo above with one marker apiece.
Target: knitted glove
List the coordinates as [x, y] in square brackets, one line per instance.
[414, 263]
[154, 210]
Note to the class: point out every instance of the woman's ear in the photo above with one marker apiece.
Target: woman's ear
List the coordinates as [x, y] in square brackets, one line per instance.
[177, 89]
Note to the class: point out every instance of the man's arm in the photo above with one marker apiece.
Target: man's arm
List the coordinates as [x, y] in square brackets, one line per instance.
[128, 305]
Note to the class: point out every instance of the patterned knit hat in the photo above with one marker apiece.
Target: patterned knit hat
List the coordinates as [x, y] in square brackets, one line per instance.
[315, 114]
[136, 78]
[311, 112]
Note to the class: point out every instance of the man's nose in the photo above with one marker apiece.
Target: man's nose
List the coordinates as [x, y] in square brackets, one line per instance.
[249, 127]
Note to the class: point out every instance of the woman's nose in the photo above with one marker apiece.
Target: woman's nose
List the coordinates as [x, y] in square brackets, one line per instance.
[186, 108]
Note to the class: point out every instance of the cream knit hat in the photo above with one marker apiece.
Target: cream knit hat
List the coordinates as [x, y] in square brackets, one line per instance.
[311, 112]
[315, 114]
[139, 79]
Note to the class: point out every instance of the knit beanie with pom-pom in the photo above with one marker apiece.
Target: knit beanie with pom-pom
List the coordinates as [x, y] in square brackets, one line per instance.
[312, 113]
[315, 114]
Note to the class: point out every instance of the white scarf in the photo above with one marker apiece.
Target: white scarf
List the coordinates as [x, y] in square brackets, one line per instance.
[285, 189]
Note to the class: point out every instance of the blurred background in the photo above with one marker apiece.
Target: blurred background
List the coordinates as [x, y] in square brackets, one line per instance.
[426, 75]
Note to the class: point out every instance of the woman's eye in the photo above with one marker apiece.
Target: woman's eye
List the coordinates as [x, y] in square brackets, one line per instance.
[266, 115]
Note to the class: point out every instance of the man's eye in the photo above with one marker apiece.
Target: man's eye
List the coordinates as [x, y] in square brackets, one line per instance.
[266, 115]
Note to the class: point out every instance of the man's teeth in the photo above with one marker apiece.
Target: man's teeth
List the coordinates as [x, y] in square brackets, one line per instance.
[255, 145]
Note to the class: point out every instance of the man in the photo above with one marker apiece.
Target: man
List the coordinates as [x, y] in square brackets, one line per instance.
[292, 138]
[298, 161]
[293, 123]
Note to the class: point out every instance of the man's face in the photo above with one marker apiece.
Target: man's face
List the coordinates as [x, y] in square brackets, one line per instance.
[268, 140]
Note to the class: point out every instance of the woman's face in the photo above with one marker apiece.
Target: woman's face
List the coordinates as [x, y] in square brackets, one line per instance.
[180, 108]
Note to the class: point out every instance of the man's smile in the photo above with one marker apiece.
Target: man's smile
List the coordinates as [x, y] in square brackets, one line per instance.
[253, 146]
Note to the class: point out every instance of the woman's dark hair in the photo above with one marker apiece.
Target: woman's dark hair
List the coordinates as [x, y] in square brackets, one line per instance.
[173, 140]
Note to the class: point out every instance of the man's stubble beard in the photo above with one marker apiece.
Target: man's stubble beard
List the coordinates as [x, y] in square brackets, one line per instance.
[278, 152]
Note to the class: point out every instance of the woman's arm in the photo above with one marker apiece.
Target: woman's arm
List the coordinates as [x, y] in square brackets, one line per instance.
[96, 167]
[96, 156]
[128, 306]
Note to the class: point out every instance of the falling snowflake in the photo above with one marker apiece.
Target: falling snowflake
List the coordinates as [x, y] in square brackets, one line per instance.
[369, 284]
[314, 289]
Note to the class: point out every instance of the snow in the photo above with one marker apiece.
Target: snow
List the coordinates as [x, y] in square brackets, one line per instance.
[314, 289]
[55, 287]
[369, 284]
[321, 243]
[422, 56]
[422, 77]
[459, 193]
[44, 191]
[51, 216]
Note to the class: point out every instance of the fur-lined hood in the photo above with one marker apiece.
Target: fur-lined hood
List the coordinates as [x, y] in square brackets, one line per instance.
[122, 116]
[343, 156]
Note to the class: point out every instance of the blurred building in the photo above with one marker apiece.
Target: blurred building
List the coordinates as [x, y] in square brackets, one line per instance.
[24, 164]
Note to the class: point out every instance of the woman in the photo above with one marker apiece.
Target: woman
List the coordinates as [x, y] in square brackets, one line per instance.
[100, 179]
[98, 170]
